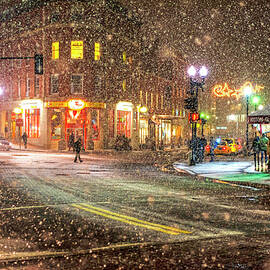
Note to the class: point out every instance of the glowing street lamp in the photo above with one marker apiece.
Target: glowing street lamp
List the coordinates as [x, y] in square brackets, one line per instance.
[192, 105]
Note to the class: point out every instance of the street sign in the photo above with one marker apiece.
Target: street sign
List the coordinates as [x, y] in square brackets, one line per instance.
[19, 122]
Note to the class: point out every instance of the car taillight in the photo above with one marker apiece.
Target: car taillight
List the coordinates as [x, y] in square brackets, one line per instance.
[224, 148]
[207, 147]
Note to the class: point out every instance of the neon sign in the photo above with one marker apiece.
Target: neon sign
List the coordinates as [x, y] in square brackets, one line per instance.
[226, 91]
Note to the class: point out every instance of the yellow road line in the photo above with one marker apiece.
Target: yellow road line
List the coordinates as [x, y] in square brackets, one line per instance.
[129, 220]
[134, 219]
[25, 207]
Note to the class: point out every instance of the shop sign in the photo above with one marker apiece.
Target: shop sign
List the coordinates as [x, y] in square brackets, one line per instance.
[18, 110]
[97, 105]
[124, 106]
[76, 104]
[264, 119]
[56, 104]
[31, 104]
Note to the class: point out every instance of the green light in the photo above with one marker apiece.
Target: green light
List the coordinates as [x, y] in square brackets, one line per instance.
[256, 100]
[202, 115]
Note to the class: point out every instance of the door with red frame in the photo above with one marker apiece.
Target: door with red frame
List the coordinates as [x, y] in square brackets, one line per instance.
[124, 123]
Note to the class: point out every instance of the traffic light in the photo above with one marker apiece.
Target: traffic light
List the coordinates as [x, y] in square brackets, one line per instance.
[194, 117]
[38, 64]
[191, 103]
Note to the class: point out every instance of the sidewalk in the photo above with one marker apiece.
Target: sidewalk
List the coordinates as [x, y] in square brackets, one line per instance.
[232, 171]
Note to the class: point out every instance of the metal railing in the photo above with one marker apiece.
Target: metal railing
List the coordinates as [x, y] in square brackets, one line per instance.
[261, 161]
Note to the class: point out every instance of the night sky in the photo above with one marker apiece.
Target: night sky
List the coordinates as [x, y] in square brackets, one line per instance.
[231, 38]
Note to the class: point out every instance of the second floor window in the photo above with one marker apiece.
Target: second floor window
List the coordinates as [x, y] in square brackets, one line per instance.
[77, 49]
[54, 84]
[19, 87]
[55, 50]
[76, 83]
[97, 51]
[27, 90]
[36, 89]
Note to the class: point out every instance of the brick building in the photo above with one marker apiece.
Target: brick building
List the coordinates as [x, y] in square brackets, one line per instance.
[98, 81]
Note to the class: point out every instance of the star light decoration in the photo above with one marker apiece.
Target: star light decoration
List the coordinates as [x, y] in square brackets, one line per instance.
[226, 91]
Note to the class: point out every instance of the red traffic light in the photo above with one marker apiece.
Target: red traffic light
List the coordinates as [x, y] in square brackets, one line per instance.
[194, 117]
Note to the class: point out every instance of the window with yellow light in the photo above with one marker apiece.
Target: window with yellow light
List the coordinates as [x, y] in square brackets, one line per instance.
[97, 51]
[77, 49]
[55, 50]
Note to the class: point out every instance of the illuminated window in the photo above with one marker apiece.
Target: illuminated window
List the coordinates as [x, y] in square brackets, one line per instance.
[124, 57]
[124, 84]
[32, 123]
[162, 102]
[146, 98]
[76, 83]
[157, 101]
[55, 50]
[97, 51]
[54, 84]
[56, 124]
[19, 86]
[77, 49]
[141, 97]
[152, 100]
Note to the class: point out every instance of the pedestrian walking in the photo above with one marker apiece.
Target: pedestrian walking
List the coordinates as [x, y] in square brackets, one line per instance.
[24, 138]
[78, 147]
[203, 143]
[71, 141]
[255, 147]
[263, 142]
[212, 147]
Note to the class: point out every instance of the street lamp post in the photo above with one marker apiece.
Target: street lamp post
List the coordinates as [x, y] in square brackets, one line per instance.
[247, 92]
[192, 105]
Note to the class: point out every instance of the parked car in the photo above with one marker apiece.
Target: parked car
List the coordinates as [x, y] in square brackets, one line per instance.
[4, 144]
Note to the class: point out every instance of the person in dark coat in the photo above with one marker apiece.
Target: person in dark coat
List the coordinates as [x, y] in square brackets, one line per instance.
[24, 137]
[202, 144]
[256, 150]
[71, 141]
[212, 148]
[78, 147]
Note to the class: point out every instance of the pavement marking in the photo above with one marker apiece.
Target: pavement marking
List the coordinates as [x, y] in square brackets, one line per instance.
[129, 220]
[25, 207]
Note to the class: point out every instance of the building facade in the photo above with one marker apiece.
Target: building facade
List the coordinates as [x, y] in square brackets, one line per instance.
[95, 80]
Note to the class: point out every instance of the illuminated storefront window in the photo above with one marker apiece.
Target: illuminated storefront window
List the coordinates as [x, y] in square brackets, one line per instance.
[56, 124]
[165, 131]
[124, 118]
[95, 124]
[55, 50]
[77, 49]
[32, 123]
[124, 123]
